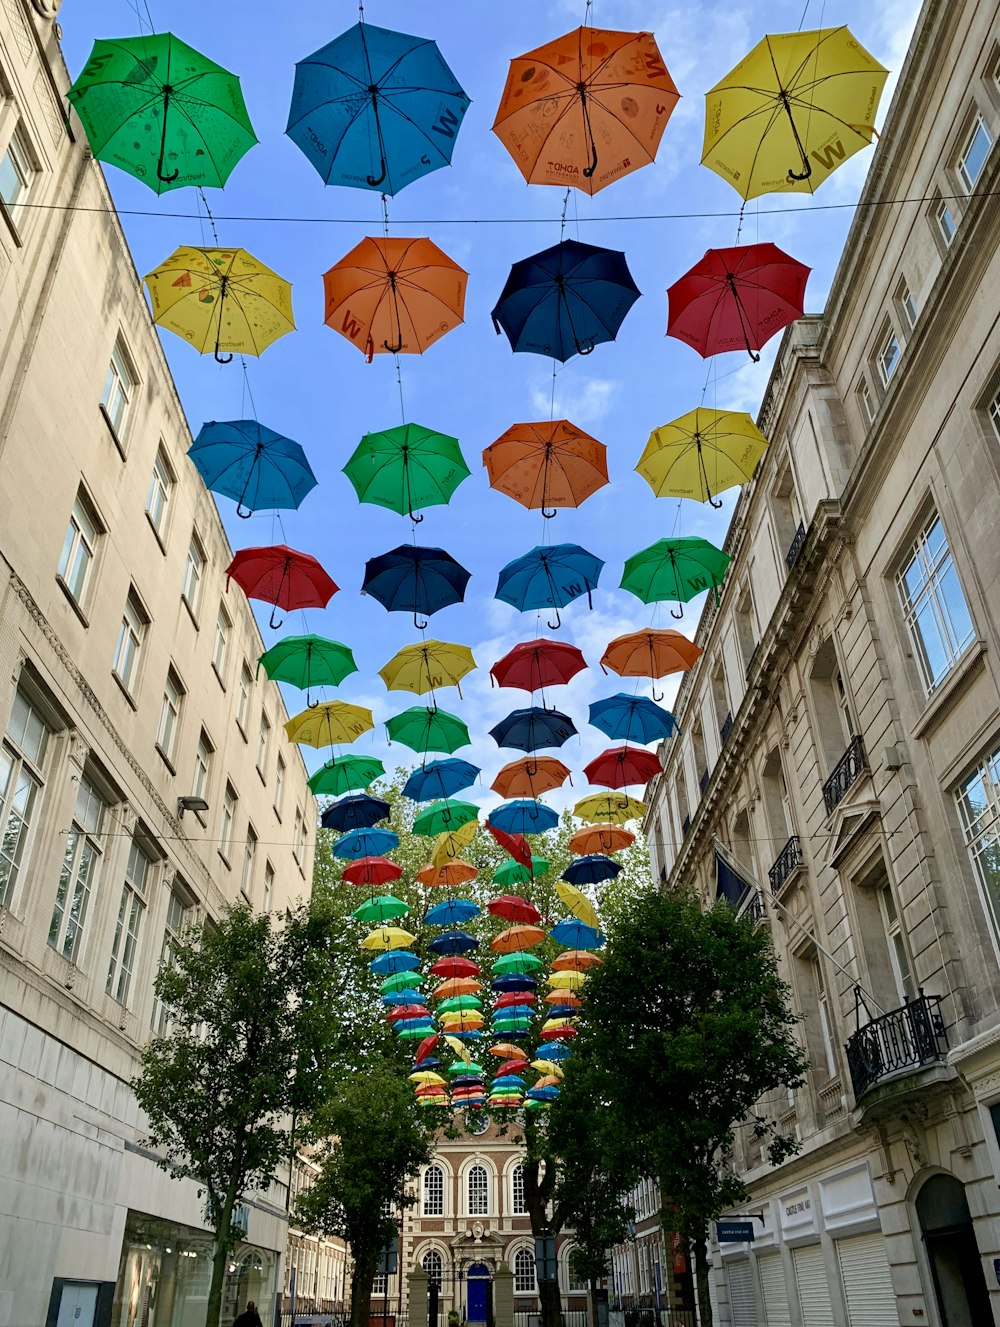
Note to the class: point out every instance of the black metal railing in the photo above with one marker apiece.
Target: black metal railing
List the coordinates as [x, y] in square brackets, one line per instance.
[751, 906]
[903, 1039]
[685, 826]
[787, 861]
[795, 548]
[703, 780]
[727, 726]
[849, 768]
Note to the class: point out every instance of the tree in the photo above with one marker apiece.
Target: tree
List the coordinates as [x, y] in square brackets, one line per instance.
[688, 1027]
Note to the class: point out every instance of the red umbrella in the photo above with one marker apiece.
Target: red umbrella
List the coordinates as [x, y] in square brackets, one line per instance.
[281, 576]
[558, 1033]
[513, 908]
[407, 1011]
[512, 1067]
[736, 298]
[530, 777]
[426, 1046]
[516, 845]
[620, 766]
[538, 663]
[377, 871]
[455, 967]
[516, 997]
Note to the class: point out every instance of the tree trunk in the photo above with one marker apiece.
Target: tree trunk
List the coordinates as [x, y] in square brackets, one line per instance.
[220, 1258]
[551, 1302]
[361, 1288]
[701, 1280]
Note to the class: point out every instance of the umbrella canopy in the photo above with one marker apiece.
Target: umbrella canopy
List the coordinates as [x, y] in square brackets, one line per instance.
[360, 843]
[513, 981]
[425, 1048]
[388, 937]
[356, 811]
[736, 299]
[577, 934]
[514, 844]
[440, 778]
[426, 1076]
[279, 575]
[220, 300]
[447, 847]
[591, 870]
[456, 986]
[530, 776]
[448, 876]
[453, 942]
[564, 999]
[517, 937]
[565, 300]
[407, 1012]
[615, 808]
[576, 960]
[384, 908]
[519, 961]
[442, 816]
[532, 728]
[547, 465]
[402, 996]
[620, 766]
[162, 111]
[505, 1051]
[792, 110]
[632, 718]
[372, 872]
[516, 873]
[460, 1004]
[567, 980]
[600, 838]
[345, 774]
[406, 468]
[308, 661]
[375, 109]
[329, 724]
[415, 580]
[558, 1050]
[535, 664]
[426, 666]
[579, 905]
[549, 576]
[524, 816]
[428, 730]
[260, 469]
[513, 908]
[400, 981]
[463, 1054]
[394, 295]
[702, 453]
[586, 108]
[675, 569]
[650, 653]
[399, 961]
[455, 967]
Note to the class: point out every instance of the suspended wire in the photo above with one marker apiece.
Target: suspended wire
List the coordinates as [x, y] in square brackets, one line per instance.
[208, 213]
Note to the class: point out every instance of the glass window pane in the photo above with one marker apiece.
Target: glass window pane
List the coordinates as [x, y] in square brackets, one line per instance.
[973, 158]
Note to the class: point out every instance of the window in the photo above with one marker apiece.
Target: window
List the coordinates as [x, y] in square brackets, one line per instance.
[972, 157]
[746, 627]
[574, 1284]
[263, 744]
[177, 920]
[243, 699]
[202, 766]
[433, 1204]
[825, 1017]
[945, 220]
[934, 607]
[479, 1191]
[170, 715]
[249, 860]
[194, 569]
[524, 1272]
[898, 957]
[125, 948]
[297, 836]
[16, 172]
[79, 547]
[116, 399]
[158, 498]
[279, 786]
[906, 304]
[21, 760]
[433, 1265]
[131, 634]
[887, 354]
[220, 646]
[268, 895]
[81, 862]
[229, 802]
[979, 807]
[380, 1284]
[993, 410]
[865, 402]
[520, 1207]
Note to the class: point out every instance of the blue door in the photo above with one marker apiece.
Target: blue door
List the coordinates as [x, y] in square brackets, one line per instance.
[478, 1283]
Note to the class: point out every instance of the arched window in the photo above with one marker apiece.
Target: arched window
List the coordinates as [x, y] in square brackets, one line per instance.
[433, 1191]
[433, 1266]
[574, 1285]
[479, 1191]
[520, 1207]
[524, 1272]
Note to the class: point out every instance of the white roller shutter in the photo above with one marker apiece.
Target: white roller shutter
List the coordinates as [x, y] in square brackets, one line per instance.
[813, 1288]
[742, 1300]
[773, 1291]
[864, 1267]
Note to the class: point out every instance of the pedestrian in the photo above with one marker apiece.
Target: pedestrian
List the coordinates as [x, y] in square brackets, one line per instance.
[249, 1317]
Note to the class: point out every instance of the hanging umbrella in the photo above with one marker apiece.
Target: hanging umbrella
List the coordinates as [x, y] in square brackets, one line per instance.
[735, 299]
[425, 1048]
[371, 872]
[442, 816]
[601, 838]
[513, 981]
[517, 937]
[406, 468]
[532, 728]
[620, 766]
[394, 295]
[329, 724]
[557, 1050]
[547, 465]
[593, 869]
[566, 980]
[360, 843]
[220, 300]
[576, 960]
[453, 942]
[455, 967]
[425, 1076]
[547, 1067]
[425, 730]
[549, 577]
[515, 844]
[530, 776]
[308, 661]
[415, 580]
[447, 847]
[281, 576]
[426, 666]
[345, 774]
[400, 981]
[384, 908]
[393, 1000]
[521, 960]
[388, 937]
[456, 985]
[356, 811]
[577, 934]
[260, 469]
[675, 569]
[460, 1004]
[565, 300]
[162, 111]
[375, 109]
[514, 873]
[399, 961]
[505, 1051]
[701, 454]
[449, 876]
[791, 111]
[407, 1012]
[612, 807]
[650, 653]
[513, 908]
[536, 664]
[632, 718]
[440, 778]
[524, 816]
[586, 108]
[579, 905]
[564, 999]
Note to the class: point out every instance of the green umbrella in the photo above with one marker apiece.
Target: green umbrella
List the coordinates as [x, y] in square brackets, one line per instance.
[675, 569]
[162, 111]
[460, 1002]
[346, 774]
[401, 981]
[384, 908]
[308, 661]
[517, 962]
[406, 468]
[426, 730]
[445, 816]
[460, 1067]
[513, 873]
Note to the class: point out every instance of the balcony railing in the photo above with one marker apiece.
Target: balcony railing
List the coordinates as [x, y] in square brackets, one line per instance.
[752, 907]
[703, 780]
[795, 548]
[787, 861]
[849, 768]
[727, 727]
[906, 1038]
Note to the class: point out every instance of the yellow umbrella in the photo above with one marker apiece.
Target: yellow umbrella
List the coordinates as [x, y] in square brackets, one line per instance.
[560, 1021]
[427, 1076]
[460, 1049]
[220, 299]
[331, 723]
[447, 847]
[791, 111]
[547, 1067]
[465, 1020]
[388, 937]
[426, 666]
[702, 453]
[578, 903]
[566, 981]
[612, 808]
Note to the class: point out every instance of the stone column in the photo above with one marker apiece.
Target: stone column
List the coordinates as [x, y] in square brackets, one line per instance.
[417, 1283]
[503, 1297]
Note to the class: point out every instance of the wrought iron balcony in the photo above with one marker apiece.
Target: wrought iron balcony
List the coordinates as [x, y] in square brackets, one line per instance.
[849, 768]
[703, 781]
[727, 727]
[787, 861]
[795, 548]
[752, 907]
[903, 1039]
[685, 826]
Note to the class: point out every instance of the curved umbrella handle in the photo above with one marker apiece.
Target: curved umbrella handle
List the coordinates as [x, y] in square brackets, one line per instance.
[243, 515]
[554, 626]
[369, 350]
[417, 519]
[394, 350]
[374, 183]
[588, 171]
[228, 359]
[677, 615]
[655, 696]
[589, 350]
[420, 626]
[272, 624]
[165, 179]
[717, 502]
[549, 514]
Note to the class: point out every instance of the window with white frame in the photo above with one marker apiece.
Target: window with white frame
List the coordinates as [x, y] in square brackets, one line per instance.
[478, 1188]
[828, 1040]
[380, 1284]
[887, 353]
[279, 786]
[125, 947]
[78, 875]
[229, 803]
[119, 388]
[575, 1285]
[979, 807]
[268, 895]
[170, 715]
[524, 1272]
[249, 862]
[202, 766]
[899, 959]
[79, 547]
[263, 744]
[972, 157]
[131, 635]
[993, 412]
[944, 219]
[520, 1207]
[178, 911]
[161, 483]
[220, 645]
[194, 570]
[433, 1196]
[906, 304]
[22, 756]
[17, 172]
[934, 608]
[433, 1265]
[297, 833]
[243, 698]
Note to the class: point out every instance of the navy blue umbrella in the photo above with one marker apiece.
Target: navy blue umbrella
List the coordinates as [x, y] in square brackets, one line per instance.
[591, 870]
[415, 580]
[632, 718]
[524, 816]
[532, 728]
[366, 843]
[565, 300]
[549, 577]
[440, 779]
[260, 469]
[453, 942]
[358, 811]
[513, 981]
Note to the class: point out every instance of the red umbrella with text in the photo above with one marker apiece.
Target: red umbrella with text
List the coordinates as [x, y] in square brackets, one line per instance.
[620, 766]
[281, 576]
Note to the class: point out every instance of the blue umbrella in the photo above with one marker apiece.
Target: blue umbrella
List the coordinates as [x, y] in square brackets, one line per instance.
[514, 1011]
[543, 1093]
[513, 981]
[403, 997]
[423, 1024]
[467, 1080]
[565, 300]
[415, 580]
[375, 109]
[591, 870]
[532, 728]
[508, 1080]
[549, 577]
[577, 935]
[394, 960]
[366, 843]
[453, 942]
[556, 1050]
[260, 469]
[632, 719]
[358, 811]
[440, 778]
[524, 816]
[452, 913]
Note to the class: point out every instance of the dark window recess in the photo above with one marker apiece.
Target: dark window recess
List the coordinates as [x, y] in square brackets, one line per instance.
[795, 548]
[753, 658]
[787, 861]
[727, 727]
[703, 781]
[685, 826]
[904, 1039]
[849, 768]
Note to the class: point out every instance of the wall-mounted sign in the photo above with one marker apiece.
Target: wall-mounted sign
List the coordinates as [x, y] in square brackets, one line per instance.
[734, 1232]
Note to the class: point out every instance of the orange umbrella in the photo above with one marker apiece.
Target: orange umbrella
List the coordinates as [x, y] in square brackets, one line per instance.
[394, 295]
[586, 109]
[449, 875]
[576, 960]
[650, 653]
[456, 986]
[599, 839]
[517, 937]
[547, 465]
[568, 998]
[506, 1050]
[530, 777]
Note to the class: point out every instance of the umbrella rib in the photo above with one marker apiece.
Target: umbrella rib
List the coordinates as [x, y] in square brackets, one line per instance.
[419, 128]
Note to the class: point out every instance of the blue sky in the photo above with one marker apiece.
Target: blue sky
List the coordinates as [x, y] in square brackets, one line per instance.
[315, 387]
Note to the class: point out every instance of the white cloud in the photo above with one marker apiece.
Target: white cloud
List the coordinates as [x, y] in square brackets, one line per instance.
[585, 404]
